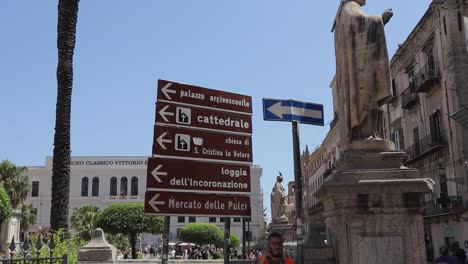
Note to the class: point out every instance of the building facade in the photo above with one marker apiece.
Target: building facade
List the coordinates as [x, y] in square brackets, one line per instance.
[102, 181]
[316, 167]
[425, 116]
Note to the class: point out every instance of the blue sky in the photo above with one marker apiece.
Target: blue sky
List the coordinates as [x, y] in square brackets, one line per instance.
[262, 48]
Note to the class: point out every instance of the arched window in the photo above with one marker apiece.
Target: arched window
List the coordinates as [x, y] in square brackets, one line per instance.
[84, 186]
[123, 186]
[113, 186]
[95, 187]
[134, 187]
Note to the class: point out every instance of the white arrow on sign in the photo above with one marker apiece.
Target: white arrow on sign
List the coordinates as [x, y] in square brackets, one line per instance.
[279, 110]
[161, 140]
[166, 91]
[156, 173]
[153, 202]
[163, 113]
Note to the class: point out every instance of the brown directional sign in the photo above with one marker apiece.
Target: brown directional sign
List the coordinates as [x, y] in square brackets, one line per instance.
[191, 116]
[174, 203]
[202, 152]
[194, 95]
[197, 176]
[189, 144]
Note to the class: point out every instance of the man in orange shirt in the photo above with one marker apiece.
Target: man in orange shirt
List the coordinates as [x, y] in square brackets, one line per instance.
[274, 253]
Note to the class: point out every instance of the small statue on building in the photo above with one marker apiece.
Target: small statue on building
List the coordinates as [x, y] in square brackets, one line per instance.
[279, 201]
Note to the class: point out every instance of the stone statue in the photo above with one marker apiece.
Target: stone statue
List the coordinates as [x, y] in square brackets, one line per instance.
[265, 222]
[362, 72]
[279, 201]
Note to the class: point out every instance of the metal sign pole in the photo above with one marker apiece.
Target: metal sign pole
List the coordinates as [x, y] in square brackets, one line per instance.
[165, 247]
[227, 241]
[244, 251]
[298, 192]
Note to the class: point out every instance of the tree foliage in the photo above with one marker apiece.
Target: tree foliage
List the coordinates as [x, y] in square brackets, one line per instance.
[5, 205]
[65, 243]
[129, 219]
[235, 240]
[15, 181]
[84, 220]
[202, 234]
[28, 216]
[119, 241]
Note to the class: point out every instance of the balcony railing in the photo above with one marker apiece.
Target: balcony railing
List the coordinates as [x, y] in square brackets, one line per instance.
[409, 97]
[426, 146]
[444, 205]
[327, 173]
[427, 76]
[124, 198]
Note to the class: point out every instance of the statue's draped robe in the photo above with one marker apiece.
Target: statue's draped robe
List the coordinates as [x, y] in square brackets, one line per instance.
[278, 201]
[362, 72]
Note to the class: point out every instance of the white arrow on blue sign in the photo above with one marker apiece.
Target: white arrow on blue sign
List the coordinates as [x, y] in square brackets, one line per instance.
[292, 111]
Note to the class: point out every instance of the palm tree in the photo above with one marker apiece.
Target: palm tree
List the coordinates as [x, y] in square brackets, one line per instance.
[66, 37]
[15, 181]
[84, 220]
[28, 217]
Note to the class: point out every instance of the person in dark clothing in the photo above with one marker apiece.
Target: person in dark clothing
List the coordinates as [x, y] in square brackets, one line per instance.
[460, 256]
[444, 256]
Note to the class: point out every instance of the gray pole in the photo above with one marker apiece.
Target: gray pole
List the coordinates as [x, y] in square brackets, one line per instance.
[244, 251]
[250, 235]
[297, 191]
[165, 247]
[227, 241]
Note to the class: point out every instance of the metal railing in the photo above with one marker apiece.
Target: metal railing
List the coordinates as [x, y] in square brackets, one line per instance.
[450, 204]
[427, 76]
[409, 97]
[426, 145]
[24, 254]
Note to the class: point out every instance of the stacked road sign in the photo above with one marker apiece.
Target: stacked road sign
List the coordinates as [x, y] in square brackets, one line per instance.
[202, 152]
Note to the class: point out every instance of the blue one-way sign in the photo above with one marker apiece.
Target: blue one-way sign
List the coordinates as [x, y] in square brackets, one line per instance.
[292, 111]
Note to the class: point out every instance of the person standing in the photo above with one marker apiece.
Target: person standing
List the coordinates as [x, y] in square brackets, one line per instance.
[274, 253]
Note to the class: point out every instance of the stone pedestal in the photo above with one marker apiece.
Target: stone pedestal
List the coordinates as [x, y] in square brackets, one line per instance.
[98, 250]
[285, 229]
[373, 209]
[10, 229]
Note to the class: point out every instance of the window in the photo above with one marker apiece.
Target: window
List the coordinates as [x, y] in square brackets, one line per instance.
[35, 189]
[134, 187]
[436, 131]
[84, 186]
[212, 220]
[180, 219]
[417, 148]
[95, 187]
[192, 219]
[237, 219]
[397, 138]
[123, 186]
[221, 219]
[394, 87]
[113, 186]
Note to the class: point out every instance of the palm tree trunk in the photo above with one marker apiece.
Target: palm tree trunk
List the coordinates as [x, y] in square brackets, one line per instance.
[66, 36]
